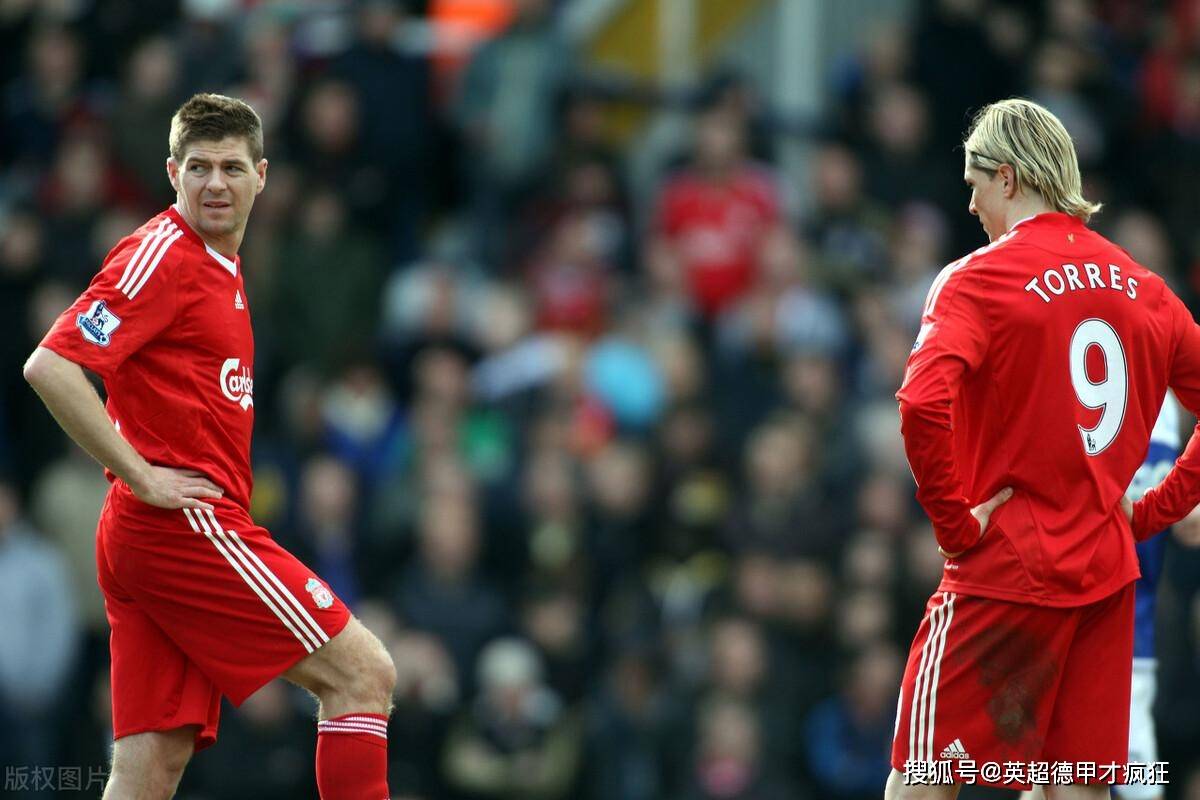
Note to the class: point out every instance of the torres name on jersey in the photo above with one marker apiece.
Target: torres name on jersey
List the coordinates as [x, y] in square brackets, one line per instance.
[1066, 278]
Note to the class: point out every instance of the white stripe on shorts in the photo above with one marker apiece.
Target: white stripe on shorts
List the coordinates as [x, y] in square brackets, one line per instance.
[251, 577]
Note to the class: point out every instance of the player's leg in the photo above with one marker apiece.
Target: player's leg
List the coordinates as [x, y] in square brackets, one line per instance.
[1090, 720]
[896, 790]
[148, 766]
[244, 611]
[353, 678]
[163, 706]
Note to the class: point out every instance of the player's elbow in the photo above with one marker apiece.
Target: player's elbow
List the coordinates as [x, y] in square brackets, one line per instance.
[41, 368]
[923, 406]
[913, 408]
[35, 368]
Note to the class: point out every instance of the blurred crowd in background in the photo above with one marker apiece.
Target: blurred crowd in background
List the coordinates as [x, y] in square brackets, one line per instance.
[612, 466]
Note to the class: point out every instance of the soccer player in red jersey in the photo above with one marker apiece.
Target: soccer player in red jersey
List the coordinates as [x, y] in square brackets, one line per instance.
[1026, 409]
[201, 601]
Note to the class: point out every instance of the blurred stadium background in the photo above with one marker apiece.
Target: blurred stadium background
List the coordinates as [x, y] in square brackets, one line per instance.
[608, 456]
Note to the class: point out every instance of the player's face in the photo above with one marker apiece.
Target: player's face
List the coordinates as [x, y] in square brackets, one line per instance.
[987, 200]
[216, 184]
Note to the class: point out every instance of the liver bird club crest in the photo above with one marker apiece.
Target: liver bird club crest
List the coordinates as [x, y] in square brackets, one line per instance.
[320, 595]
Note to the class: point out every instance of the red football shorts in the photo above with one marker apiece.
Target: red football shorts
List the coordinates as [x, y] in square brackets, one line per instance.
[201, 604]
[989, 681]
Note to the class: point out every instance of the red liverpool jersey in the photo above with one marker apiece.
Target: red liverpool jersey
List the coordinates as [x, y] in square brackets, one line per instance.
[166, 324]
[1041, 364]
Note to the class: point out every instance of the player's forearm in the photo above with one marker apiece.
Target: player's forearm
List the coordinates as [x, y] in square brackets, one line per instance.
[929, 445]
[74, 404]
[1174, 498]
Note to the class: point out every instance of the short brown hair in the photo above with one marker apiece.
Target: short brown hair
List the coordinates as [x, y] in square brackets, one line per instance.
[213, 117]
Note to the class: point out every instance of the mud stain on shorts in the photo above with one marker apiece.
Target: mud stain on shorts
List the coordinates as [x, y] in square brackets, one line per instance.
[1016, 671]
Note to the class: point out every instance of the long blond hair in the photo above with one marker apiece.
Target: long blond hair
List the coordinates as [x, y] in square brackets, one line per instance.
[1035, 144]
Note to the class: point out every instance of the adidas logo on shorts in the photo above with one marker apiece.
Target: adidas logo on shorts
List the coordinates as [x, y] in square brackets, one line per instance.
[955, 750]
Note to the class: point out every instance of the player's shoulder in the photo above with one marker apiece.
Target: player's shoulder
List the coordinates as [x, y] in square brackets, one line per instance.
[151, 253]
[958, 272]
[1013, 247]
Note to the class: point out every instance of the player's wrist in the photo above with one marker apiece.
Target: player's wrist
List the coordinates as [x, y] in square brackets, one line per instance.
[136, 476]
[960, 541]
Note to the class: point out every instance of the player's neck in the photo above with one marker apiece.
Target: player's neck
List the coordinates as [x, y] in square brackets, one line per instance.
[226, 245]
[1023, 208]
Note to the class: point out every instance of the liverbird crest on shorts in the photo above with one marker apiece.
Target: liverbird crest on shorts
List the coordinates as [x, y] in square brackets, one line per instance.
[320, 595]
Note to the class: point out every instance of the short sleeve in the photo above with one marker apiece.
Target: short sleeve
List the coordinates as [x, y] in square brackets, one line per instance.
[132, 299]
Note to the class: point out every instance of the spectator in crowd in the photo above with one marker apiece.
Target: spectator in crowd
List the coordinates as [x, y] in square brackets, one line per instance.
[729, 762]
[847, 735]
[331, 313]
[65, 503]
[848, 229]
[505, 112]
[149, 96]
[712, 215]
[40, 635]
[517, 741]
[397, 124]
[267, 732]
[324, 534]
[442, 591]
[629, 742]
[45, 100]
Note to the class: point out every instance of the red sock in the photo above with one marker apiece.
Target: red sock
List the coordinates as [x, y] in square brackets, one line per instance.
[352, 757]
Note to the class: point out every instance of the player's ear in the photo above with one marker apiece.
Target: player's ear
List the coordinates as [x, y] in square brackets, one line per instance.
[173, 172]
[1008, 180]
[261, 169]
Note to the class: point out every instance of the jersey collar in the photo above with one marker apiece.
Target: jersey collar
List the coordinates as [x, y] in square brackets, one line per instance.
[222, 260]
[230, 265]
[1057, 218]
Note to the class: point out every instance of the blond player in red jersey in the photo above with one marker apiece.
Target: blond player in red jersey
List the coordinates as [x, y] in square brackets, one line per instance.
[201, 601]
[1026, 409]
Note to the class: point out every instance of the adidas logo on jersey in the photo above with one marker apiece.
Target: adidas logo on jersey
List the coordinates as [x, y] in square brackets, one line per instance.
[955, 750]
[238, 305]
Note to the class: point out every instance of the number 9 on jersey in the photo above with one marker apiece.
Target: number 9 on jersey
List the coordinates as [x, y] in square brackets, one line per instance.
[1110, 393]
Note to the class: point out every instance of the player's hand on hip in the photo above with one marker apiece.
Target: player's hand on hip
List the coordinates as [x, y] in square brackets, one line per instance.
[167, 487]
[982, 513]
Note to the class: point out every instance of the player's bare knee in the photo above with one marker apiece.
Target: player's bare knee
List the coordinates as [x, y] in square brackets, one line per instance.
[375, 679]
[353, 672]
[153, 761]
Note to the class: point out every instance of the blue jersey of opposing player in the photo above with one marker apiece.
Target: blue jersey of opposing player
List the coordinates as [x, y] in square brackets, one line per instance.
[1164, 449]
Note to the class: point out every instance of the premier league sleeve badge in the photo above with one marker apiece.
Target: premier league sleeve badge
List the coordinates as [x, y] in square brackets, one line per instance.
[98, 323]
